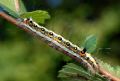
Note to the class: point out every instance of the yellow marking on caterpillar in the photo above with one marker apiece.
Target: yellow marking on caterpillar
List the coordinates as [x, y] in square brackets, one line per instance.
[56, 39]
[74, 49]
[82, 54]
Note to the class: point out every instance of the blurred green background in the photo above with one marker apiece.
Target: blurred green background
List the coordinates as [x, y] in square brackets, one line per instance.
[26, 58]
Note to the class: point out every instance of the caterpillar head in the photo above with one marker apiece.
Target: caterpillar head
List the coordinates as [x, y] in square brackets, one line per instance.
[28, 21]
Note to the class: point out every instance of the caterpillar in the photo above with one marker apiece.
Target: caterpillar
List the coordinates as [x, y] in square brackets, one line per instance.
[62, 43]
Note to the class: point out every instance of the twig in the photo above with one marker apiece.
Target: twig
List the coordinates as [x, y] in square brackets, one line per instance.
[23, 26]
[108, 75]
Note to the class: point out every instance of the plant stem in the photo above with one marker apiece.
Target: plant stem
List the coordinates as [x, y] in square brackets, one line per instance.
[108, 75]
[23, 26]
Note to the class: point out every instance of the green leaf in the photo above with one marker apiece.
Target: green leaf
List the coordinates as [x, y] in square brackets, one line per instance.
[22, 9]
[74, 72]
[39, 16]
[115, 70]
[90, 43]
[13, 7]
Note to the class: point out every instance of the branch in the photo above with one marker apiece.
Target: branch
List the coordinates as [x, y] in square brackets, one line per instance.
[25, 28]
[108, 75]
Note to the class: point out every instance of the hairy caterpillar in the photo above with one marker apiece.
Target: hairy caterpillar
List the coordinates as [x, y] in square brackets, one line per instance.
[62, 43]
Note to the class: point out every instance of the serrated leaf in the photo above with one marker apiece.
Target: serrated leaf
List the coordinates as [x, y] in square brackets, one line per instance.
[115, 70]
[12, 7]
[90, 43]
[74, 72]
[72, 79]
[39, 16]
